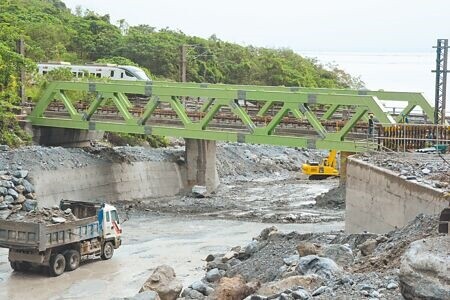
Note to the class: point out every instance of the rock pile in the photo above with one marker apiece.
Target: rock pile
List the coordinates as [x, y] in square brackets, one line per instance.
[312, 266]
[45, 215]
[18, 200]
[16, 193]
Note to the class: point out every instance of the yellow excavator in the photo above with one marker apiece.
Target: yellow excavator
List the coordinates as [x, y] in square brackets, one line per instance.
[322, 170]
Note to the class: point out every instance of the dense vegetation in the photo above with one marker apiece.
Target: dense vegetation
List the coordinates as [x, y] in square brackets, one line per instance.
[53, 32]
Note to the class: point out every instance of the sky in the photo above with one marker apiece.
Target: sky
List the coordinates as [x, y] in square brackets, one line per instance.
[301, 25]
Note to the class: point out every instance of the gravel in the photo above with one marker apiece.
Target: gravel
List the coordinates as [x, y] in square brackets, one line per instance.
[429, 169]
[246, 162]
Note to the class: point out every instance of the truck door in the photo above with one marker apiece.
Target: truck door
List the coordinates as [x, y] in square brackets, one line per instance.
[116, 223]
[111, 224]
[108, 229]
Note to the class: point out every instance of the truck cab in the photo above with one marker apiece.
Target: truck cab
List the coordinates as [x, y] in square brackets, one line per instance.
[110, 224]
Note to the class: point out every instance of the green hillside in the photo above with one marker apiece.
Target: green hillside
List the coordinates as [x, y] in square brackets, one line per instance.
[52, 32]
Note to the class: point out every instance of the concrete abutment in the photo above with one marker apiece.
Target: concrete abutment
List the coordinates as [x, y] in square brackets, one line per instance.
[378, 200]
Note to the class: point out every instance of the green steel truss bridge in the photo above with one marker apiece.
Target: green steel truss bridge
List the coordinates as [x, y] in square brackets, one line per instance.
[288, 116]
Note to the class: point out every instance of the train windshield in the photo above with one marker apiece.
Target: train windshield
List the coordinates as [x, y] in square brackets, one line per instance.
[137, 72]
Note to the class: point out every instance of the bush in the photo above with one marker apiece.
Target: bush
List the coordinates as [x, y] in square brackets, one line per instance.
[127, 139]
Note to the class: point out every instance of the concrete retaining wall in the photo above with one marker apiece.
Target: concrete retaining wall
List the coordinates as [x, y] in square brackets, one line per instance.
[378, 200]
[110, 182]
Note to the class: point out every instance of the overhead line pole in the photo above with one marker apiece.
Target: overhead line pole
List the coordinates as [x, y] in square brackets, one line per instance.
[21, 50]
[441, 81]
[183, 62]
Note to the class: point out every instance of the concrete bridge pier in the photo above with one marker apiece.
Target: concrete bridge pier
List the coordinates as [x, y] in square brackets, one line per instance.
[201, 163]
[65, 137]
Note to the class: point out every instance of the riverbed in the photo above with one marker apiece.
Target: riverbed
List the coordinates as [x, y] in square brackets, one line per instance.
[149, 240]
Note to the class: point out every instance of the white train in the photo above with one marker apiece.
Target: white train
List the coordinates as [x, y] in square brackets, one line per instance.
[97, 70]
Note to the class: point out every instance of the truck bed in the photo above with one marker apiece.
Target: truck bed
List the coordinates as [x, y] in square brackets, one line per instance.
[23, 235]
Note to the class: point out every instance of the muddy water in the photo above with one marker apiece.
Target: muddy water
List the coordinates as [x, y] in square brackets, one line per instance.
[148, 241]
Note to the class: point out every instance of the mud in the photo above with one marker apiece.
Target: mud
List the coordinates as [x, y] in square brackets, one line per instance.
[149, 240]
[266, 199]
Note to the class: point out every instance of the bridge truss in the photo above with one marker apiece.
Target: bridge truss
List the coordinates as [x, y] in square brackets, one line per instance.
[262, 115]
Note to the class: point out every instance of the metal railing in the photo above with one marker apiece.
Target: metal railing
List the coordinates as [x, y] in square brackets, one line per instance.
[411, 137]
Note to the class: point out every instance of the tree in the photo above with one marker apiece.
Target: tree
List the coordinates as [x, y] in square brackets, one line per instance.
[10, 62]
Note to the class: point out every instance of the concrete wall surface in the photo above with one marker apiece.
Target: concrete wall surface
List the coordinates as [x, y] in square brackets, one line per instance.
[378, 200]
[65, 137]
[110, 182]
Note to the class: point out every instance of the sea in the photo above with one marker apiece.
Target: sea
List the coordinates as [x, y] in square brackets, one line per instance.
[406, 72]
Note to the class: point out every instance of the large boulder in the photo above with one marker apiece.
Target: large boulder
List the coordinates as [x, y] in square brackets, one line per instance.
[307, 248]
[322, 266]
[30, 205]
[341, 254]
[233, 288]
[164, 282]
[424, 271]
[199, 191]
[368, 247]
[310, 282]
[201, 287]
[213, 275]
[147, 295]
[29, 188]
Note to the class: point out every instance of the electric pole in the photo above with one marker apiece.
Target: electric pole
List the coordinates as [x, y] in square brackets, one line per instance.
[20, 45]
[441, 81]
[183, 62]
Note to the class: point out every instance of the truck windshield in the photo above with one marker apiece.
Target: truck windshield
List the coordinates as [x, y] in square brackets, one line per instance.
[114, 216]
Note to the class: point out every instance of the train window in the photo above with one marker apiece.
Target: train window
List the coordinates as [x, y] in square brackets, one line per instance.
[98, 75]
[80, 74]
[74, 74]
[112, 74]
[44, 72]
[92, 74]
[121, 75]
[128, 74]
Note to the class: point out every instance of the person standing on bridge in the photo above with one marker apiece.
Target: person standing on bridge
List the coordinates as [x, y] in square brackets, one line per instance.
[404, 119]
[371, 124]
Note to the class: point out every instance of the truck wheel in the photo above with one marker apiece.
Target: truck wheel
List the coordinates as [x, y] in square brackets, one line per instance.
[107, 251]
[57, 265]
[20, 265]
[72, 260]
[25, 266]
[15, 266]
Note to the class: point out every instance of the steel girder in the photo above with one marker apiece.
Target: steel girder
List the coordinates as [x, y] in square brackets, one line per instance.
[413, 99]
[294, 100]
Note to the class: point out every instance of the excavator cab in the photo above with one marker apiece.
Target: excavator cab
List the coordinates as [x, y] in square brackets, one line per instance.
[326, 168]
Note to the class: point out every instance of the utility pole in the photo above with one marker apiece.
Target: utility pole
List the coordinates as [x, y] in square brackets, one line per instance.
[441, 81]
[183, 62]
[21, 50]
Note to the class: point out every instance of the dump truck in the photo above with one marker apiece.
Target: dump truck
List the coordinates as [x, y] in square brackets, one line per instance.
[94, 232]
